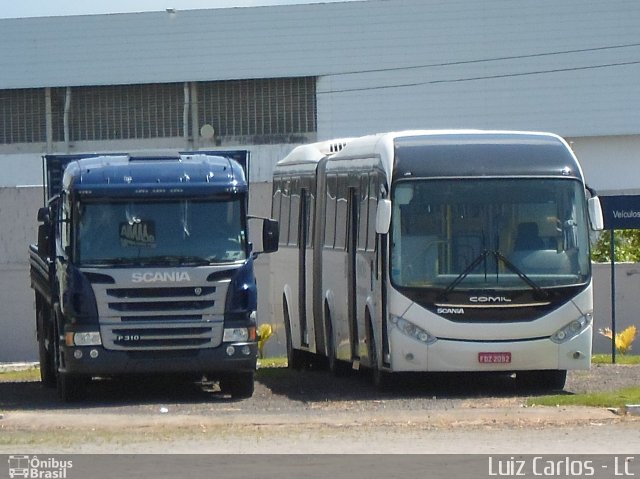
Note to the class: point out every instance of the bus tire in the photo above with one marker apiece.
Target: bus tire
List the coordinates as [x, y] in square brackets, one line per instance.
[336, 367]
[379, 378]
[294, 356]
[543, 380]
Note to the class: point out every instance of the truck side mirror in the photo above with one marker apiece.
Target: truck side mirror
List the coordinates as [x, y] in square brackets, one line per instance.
[383, 217]
[44, 215]
[270, 236]
[44, 241]
[595, 213]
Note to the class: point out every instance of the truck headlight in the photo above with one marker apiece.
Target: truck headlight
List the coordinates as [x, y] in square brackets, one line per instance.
[86, 338]
[237, 335]
[409, 329]
[572, 329]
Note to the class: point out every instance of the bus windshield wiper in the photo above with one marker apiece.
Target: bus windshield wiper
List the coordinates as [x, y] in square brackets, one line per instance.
[537, 289]
[467, 271]
[499, 257]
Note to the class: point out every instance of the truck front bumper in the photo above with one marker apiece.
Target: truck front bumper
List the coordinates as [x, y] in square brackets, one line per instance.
[98, 361]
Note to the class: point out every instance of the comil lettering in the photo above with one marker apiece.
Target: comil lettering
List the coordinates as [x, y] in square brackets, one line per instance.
[160, 277]
[489, 299]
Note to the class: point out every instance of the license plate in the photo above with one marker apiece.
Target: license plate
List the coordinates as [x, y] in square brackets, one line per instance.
[494, 358]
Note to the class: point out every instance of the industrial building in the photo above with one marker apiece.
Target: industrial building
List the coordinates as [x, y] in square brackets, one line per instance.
[269, 78]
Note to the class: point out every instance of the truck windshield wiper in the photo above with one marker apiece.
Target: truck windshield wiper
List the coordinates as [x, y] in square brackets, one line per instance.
[499, 257]
[120, 261]
[175, 260]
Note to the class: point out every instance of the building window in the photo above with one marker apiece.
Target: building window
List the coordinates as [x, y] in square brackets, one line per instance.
[263, 109]
[22, 116]
[120, 112]
[276, 110]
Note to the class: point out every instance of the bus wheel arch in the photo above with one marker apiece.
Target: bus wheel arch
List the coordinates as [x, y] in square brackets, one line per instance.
[379, 377]
[294, 356]
[337, 367]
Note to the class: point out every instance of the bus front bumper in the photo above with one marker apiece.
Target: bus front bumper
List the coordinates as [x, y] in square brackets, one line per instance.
[408, 354]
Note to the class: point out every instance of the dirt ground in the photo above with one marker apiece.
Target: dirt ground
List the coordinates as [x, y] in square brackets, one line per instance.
[314, 412]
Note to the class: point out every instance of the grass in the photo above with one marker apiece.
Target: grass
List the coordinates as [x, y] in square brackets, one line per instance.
[23, 375]
[620, 359]
[614, 399]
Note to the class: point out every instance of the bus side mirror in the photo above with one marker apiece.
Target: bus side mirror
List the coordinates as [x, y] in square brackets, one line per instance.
[595, 214]
[383, 217]
[270, 236]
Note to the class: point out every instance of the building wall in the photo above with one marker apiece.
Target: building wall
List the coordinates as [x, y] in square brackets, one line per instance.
[627, 284]
[18, 228]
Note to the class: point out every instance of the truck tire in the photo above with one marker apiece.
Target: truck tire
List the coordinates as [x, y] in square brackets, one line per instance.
[45, 350]
[239, 386]
[70, 388]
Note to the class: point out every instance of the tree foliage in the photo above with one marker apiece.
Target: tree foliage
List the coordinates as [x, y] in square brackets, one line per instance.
[627, 246]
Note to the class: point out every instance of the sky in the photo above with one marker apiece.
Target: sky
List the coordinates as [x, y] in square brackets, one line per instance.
[47, 8]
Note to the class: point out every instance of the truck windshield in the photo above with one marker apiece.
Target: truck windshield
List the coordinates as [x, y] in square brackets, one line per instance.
[489, 233]
[160, 232]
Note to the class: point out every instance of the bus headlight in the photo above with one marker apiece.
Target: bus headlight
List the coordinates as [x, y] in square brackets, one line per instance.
[572, 329]
[409, 329]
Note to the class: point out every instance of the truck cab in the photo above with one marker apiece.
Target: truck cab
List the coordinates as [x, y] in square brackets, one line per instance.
[144, 266]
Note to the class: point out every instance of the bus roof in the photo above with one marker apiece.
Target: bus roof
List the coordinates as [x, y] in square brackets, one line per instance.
[477, 153]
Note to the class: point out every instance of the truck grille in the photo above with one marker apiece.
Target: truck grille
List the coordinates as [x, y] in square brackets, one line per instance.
[168, 336]
[151, 317]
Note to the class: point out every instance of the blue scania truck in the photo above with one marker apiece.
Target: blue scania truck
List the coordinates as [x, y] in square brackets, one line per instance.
[143, 266]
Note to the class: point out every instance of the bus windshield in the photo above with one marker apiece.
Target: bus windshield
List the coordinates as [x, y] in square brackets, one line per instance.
[175, 232]
[489, 233]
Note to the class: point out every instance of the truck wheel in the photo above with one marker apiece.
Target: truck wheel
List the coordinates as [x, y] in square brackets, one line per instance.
[45, 352]
[70, 388]
[239, 386]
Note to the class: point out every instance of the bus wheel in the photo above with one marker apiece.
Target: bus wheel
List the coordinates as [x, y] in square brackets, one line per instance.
[294, 356]
[379, 378]
[544, 380]
[338, 368]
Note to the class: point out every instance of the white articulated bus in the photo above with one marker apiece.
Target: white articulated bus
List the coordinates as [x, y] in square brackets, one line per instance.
[436, 251]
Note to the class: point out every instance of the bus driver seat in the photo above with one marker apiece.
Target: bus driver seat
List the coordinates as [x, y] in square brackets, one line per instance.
[528, 238]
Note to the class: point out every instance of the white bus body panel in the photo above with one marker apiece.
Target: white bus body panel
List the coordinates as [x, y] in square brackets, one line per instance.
[464, 341]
